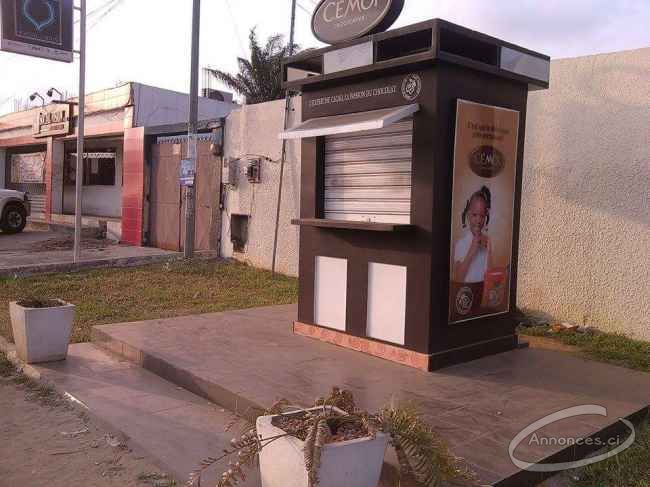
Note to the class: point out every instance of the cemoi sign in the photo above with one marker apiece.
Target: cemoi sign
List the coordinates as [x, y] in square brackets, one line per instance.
[40, 28]
[337, 21]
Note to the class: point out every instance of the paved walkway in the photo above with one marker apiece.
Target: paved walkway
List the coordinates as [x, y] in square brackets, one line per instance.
[251, 357]
[33, 252]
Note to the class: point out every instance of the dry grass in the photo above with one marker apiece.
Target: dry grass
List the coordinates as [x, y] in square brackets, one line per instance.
[157, 291]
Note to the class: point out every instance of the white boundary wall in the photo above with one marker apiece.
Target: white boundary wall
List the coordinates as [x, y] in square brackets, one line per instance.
[585, 233]
[253, 131]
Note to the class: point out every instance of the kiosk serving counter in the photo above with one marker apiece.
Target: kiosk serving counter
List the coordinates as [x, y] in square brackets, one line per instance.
[412, 152]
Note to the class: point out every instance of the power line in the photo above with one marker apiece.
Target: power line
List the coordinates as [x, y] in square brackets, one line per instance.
[115, 4]
[236, 27]
[301, 7]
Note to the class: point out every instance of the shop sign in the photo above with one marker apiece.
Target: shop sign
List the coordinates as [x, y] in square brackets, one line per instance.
[52, 120]
[386, 92]
[39, 28]
[336, 21]
[483, 211]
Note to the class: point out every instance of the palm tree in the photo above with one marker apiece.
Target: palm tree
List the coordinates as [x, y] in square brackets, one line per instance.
[259, 79]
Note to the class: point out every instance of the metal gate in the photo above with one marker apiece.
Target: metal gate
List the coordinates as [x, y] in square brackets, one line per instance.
[167, 208]
[368, 175]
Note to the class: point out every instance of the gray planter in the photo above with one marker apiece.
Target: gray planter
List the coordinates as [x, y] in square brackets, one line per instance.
[42, 334]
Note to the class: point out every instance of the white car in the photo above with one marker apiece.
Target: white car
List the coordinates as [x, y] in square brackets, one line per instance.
[14, 210]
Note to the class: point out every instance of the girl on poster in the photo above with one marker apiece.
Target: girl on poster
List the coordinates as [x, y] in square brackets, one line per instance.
[472, 253]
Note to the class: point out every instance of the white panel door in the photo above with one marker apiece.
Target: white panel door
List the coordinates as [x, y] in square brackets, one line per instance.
[330, 292]
[387, 303]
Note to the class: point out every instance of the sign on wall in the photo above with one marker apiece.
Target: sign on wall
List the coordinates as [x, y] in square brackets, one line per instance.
[483, 207]
[40, 28]
[28, 168]
[52, 120]
[336, 21]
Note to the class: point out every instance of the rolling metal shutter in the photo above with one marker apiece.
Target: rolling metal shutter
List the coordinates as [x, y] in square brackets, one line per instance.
[38, 203]
[368, 175]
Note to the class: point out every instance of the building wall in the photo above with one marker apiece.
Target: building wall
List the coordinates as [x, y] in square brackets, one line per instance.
[584, 253]
[253, 130]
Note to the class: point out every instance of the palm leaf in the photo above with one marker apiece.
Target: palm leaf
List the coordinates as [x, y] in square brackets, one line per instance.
[260, 77]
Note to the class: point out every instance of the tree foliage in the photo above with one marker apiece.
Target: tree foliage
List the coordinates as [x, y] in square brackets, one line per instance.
[260, 78]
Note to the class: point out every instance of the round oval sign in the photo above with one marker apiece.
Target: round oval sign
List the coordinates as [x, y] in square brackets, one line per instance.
[487, 161]
[337, 21]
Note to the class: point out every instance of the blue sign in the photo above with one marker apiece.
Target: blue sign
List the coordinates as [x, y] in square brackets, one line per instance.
[41, 28]
[187, 172]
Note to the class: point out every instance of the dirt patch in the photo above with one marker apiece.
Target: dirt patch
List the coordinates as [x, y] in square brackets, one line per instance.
[35, 303]
[45, 441]
[66, 242]
[341, 429]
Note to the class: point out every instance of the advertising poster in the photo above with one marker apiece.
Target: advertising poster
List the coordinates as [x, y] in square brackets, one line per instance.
[485, 170]
[28, 168]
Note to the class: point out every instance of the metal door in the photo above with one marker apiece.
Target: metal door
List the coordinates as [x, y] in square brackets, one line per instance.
[167, 207]
[368, 175]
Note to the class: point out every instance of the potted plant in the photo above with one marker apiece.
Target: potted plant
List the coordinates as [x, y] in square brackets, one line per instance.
[334, 444]
[41, 329]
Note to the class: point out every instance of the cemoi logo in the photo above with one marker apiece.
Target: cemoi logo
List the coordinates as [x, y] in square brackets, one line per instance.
[531, 433]
[336, 21]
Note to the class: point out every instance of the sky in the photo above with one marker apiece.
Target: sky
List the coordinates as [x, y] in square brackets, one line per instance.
[149, 40]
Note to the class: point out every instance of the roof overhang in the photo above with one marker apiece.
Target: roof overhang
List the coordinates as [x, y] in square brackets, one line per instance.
[352, 122]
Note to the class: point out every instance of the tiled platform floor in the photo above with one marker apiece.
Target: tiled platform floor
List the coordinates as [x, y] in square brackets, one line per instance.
[251, 357]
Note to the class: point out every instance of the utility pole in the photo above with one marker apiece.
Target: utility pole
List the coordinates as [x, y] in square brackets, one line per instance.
[287, 110]
[190, 191]
[79, 176]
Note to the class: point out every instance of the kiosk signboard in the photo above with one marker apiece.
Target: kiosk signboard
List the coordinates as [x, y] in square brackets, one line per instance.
[337, 21]
[40, 28]
[483, 211]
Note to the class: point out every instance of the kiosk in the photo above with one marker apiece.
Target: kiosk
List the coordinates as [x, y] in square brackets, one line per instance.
[412, 153]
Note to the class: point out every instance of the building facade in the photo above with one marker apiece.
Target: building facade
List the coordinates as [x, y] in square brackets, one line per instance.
[123, 126]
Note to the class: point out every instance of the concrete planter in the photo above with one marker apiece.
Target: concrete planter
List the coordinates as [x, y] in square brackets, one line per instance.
[42, 334]
[355, 463]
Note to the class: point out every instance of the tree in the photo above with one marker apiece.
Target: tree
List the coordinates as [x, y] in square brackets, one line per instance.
[260, 78]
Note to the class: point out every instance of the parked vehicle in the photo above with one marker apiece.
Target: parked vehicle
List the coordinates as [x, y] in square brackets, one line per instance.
[14, 210]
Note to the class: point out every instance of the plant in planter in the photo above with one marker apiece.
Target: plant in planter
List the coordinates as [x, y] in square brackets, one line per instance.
[41, 329]
[334, 444]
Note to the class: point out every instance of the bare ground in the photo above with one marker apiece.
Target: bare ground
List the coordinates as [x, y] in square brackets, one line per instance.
[45, 442]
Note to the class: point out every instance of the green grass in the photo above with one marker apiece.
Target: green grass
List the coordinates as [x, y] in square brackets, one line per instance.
[628, 469]
[151, 292]
[605, 347]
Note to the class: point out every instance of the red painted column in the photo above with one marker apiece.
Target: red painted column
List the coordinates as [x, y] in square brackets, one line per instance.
[133, 187]
[49, 164]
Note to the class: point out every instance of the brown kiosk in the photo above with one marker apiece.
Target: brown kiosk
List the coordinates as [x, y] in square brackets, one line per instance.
[412, 154]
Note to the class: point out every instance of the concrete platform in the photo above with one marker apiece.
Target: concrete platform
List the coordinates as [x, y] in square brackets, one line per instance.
[174, 428]
[250, 357]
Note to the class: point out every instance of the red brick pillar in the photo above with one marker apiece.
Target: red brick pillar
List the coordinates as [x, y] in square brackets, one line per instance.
[49, 164]
[133, 188]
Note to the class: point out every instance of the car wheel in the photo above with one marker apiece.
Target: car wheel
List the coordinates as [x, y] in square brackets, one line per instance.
[14, 219]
